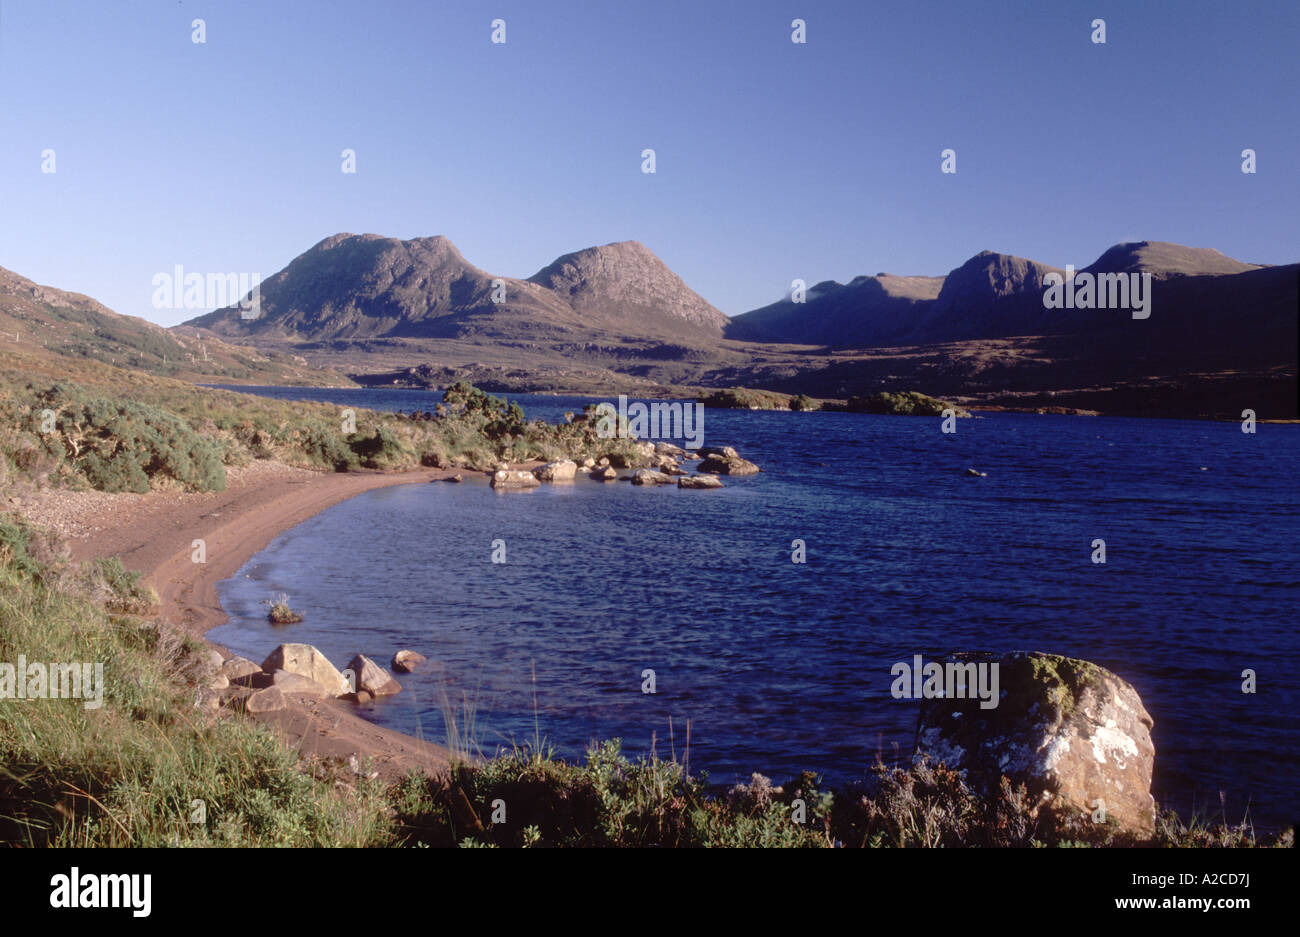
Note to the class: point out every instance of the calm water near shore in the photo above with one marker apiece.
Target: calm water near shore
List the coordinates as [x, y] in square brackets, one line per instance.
[780, 667]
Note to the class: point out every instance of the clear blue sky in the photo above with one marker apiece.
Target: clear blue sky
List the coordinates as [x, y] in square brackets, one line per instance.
[775, 160]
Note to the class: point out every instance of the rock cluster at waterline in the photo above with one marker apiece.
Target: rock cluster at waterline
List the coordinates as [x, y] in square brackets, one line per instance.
[650, 464]
[296, 670]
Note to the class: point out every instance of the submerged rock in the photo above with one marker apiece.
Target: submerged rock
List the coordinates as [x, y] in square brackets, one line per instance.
[1076, 735]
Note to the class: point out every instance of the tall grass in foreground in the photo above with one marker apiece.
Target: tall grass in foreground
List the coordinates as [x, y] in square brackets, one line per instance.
[148, 768]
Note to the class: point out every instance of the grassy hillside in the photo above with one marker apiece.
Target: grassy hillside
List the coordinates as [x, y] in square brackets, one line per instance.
[76, 330]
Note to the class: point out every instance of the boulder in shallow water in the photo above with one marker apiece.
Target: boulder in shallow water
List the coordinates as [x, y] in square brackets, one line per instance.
[405, 661]
[1076, 735]
[308, 661]
[372, 678]
[561, 471]
[606, 474]
[650, 477]
[716, 465]
[509, 479]
[700, 481]
[668, 449]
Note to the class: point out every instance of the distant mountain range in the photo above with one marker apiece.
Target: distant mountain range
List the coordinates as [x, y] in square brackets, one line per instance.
[364, 286]
[608, 318]
[1221, 337]
[989, 296]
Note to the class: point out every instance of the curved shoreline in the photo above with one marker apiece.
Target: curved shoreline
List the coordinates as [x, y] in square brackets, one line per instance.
[154, 535]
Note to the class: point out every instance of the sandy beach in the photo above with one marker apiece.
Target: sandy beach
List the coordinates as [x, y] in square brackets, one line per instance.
[154, 534]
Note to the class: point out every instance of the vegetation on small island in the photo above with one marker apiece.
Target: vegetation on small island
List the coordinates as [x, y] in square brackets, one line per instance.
[902, 403]
[128, 773]
[281, 612]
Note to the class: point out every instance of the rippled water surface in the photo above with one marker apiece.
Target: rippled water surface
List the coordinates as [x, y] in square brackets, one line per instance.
[779, 667]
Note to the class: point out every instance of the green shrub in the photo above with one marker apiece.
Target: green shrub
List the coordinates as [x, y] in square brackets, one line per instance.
[124, 445]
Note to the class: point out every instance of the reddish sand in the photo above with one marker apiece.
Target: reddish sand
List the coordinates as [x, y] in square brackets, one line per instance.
[154, 535]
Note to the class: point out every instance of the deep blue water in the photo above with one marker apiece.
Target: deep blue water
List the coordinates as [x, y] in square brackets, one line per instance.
[780, 667]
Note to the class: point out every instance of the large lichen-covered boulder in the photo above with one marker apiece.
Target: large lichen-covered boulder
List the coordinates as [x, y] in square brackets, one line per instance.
[306, 660]
[1076, 735]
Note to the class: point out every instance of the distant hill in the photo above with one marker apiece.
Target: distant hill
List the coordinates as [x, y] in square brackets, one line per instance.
[1165, 261]
[865, 311]
[72, 328]
[624, 286]
[991, 295]
[366, 287]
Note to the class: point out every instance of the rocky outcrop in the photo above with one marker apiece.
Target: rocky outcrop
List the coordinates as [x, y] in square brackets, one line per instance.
[1076, 735]
[561, 471]
[514, 479]
[309, 662]
[371, 678]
